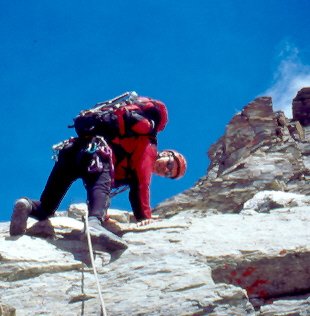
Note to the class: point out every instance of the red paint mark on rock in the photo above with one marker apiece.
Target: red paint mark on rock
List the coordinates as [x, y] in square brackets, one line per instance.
[239, 281]
[248, 271]
[255, 289]
[263, 294]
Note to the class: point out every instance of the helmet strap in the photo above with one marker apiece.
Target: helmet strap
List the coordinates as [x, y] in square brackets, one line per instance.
[175, 158]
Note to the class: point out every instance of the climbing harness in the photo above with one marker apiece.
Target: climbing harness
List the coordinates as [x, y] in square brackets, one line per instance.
[101, 151]
[90, 248]
[99, 148]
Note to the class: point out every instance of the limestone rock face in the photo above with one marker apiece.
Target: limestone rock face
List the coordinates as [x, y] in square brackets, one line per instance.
[218, 264]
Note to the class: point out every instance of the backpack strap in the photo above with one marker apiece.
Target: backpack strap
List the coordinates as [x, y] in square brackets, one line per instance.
[155, 109]
[121, 121]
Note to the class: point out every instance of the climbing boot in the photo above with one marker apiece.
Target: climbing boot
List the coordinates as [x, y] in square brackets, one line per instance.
[110, 240]
[21, 211]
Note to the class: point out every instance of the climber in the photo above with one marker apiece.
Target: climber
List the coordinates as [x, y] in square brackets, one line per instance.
[132, 156]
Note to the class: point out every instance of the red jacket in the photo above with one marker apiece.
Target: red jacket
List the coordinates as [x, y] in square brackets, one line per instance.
[134, 156]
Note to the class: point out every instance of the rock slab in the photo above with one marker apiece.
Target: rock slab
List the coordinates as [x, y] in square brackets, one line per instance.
[218, 264]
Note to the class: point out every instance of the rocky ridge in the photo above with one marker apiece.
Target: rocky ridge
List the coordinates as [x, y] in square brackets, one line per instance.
[260, 150]
[237, 243]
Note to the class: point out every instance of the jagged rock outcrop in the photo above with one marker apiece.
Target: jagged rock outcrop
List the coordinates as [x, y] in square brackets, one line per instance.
[301, 107]
[260, 150]
[237, 243]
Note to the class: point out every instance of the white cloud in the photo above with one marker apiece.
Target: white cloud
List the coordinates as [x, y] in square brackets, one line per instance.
[289, 78]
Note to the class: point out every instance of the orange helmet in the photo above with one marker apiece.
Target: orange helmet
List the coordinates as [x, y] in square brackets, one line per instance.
[179, 159]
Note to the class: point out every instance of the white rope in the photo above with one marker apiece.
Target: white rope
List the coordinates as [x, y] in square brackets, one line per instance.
[90, 247]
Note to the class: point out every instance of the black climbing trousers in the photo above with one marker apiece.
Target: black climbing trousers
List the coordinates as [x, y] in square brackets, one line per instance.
[72, 164]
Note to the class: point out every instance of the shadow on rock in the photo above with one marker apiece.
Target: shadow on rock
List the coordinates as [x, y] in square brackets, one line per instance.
[75, 241]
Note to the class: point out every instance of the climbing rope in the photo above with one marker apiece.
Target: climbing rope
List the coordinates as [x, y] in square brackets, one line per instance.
[90, 247]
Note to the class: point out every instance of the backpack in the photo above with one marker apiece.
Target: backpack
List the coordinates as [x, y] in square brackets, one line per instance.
[103, 117]
[112, 118]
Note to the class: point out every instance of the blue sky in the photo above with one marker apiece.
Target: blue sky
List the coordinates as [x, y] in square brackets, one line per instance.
[204, 59]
